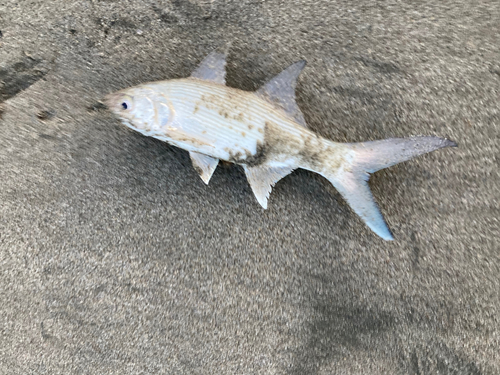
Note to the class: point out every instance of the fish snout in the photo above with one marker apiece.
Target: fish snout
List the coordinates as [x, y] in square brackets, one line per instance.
[113, 101]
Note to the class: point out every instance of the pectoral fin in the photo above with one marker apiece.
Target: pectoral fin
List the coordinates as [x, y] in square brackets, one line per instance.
[204, 165]
[212, 68]
[280, 91]
[263, 178]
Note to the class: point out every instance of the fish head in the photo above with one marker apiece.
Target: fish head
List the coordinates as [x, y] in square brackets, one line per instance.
[137, 109]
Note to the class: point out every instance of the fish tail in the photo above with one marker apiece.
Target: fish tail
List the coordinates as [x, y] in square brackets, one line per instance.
[351, 177]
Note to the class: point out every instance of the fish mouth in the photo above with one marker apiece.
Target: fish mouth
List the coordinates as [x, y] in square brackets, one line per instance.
[112, 101]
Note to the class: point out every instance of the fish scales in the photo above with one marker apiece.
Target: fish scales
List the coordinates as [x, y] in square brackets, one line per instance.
[262, 131]
[232, 116]
[239, 121]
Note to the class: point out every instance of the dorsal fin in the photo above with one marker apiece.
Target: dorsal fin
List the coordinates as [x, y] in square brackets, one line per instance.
[204, 165]
[212, 68]
[262, 179]
[280, 91]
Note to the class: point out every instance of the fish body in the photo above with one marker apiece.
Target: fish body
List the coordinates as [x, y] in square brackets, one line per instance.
[262, 131]
[224, 123]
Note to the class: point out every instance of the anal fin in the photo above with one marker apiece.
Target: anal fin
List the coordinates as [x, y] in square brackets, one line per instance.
[204, 165]
[262, 179]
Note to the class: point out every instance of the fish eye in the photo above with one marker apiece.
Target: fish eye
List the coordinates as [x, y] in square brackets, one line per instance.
[126, 103]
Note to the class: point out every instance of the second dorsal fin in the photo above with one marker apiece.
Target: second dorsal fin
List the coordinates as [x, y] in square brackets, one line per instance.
[280, 90]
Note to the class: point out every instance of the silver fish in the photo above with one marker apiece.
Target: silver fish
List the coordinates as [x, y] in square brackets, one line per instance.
[263, 131]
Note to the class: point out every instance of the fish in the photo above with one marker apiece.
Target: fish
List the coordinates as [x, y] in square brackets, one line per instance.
[262, 131]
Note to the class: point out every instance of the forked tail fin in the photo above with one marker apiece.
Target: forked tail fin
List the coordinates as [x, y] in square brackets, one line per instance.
[368, 157]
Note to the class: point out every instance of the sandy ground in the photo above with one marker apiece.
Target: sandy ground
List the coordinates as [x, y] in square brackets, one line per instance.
[116, 258]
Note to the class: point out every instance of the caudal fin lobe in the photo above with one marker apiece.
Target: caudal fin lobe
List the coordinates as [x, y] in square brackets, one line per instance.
[368, 157]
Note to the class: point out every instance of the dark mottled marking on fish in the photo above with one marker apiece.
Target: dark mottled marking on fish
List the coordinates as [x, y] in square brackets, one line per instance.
[236, 157]
[249, 159]
[311, 150]
[197, 168]
[178, 138]
[275, 143]
[278, 141]
[224, 107]
[259, 157]
[314, 152]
